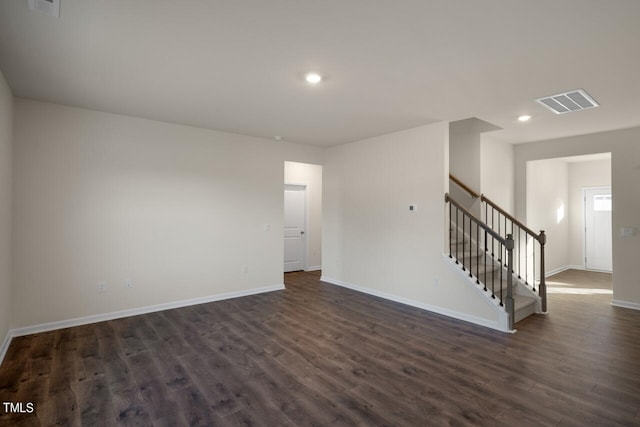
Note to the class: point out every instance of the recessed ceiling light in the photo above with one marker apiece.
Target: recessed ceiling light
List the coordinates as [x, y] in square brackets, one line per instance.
[277, 137]
[313, 78]
[524, 118]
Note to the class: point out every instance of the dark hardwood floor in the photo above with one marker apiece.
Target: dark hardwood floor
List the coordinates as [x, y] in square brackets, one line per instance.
[317, 354]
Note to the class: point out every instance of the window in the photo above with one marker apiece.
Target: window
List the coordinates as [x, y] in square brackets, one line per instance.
[602, 202]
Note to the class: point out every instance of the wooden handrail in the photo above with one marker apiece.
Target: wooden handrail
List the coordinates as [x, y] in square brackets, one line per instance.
[478, 221]
[511, 218]
[464, 186]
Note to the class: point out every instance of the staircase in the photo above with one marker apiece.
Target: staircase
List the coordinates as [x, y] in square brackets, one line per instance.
[499, 255]
[492, 277]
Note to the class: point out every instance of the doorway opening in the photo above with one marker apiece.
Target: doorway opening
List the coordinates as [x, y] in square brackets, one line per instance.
[302, 217]
[555, 200]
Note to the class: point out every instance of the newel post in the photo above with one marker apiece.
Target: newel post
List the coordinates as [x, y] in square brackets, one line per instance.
[509, 303]
[542, 289]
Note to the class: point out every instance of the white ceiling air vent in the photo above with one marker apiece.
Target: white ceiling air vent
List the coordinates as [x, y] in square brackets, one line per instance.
[567, 102]
[48, 7]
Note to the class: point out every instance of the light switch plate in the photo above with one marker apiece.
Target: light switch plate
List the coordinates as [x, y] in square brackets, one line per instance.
[627, 231]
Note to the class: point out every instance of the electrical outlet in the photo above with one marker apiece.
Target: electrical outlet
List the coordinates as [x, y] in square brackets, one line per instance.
[102, 287]
[245, 269]
[128, 283]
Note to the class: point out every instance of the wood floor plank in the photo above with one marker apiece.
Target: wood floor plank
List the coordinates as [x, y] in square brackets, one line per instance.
[213, 378]
[15, 365]
[317, 354]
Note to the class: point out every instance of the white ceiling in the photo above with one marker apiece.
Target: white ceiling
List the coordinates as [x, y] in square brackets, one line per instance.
[238, 65]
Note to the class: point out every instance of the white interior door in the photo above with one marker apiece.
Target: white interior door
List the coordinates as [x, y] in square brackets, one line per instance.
[294, 219]
[597, 220]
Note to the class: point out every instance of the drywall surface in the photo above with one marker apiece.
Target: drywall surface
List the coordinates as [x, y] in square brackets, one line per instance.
[497, 171]
[372, 241]
[6, 141]
[464, 161]
[183, 212]
[311, 176]
[624, 146]
[548, 208]
[581, 175]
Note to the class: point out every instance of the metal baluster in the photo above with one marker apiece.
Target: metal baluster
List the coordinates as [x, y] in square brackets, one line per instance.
[526, 255]
[492, 238]
[499, 247]
[519, 254]
[507, 249]
[477, 254]
[526, 258]
[470, 259]
[450, 224]
[493, 273]
[457, 232]
[486, 219]
[463, 234]
[506, 232]
[534, 266]
[486, 253]
[470, 248]
[501, 300]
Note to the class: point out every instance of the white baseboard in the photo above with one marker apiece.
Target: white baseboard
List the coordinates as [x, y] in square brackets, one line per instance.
[406, 301]
[314, 268]
[556, 271]
[564, 268]
[27, 330]
[5, 346]
[571, 267]
[625, 304]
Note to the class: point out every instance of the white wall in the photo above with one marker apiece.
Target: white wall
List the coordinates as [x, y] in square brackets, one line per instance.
[6, 140]
[497, 171]
[548, 208]
[104, 197]
[624, 146]
[469, 149]
[583, 174]
[464, 152]
[372, 242]
[311, 176]
[464, 161]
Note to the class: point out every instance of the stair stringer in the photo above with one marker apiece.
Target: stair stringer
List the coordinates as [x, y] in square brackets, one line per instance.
[502, 317]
